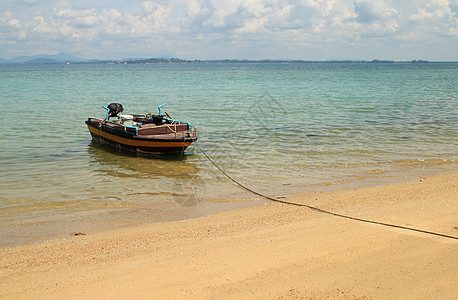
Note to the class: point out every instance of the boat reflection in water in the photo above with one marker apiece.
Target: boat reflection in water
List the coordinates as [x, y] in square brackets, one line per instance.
[145, 179]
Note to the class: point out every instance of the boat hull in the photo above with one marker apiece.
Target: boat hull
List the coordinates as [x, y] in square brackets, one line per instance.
[152, 144]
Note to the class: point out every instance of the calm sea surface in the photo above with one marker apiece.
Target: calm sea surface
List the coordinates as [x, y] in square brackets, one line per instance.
[275, 127]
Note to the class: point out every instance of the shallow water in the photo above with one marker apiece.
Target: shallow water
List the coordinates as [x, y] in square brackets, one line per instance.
[275, 127]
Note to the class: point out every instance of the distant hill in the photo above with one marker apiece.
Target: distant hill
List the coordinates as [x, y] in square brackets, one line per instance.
[42, 59]
[63, 58]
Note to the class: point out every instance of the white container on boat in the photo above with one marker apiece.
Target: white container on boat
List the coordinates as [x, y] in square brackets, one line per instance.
[127, 120]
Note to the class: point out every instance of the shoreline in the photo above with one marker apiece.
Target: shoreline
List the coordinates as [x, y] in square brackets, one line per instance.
[40, 229]
[263, 251]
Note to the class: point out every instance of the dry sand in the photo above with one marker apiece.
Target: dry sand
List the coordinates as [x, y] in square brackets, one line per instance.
[265, 252]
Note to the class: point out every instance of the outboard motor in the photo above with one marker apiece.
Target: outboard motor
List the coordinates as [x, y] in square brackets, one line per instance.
[114, 109]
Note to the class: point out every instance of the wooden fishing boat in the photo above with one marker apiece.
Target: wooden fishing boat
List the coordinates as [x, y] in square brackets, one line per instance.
[147, 133]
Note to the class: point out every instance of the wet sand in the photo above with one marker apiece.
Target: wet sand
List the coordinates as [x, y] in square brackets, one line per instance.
[268, 251]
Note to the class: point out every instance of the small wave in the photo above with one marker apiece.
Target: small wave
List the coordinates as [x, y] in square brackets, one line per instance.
[423, 162]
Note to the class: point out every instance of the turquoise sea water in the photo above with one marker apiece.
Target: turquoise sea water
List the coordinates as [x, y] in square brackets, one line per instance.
[275, 127]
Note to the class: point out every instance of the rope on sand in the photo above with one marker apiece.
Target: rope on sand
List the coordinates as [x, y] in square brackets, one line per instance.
[322, 210]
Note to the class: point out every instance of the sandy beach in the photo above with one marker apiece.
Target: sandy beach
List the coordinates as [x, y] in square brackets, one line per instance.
[272, 251]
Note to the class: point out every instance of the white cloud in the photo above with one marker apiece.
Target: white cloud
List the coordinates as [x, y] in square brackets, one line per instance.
[370, 11]
[199, 28]
[438, 10]
[436, 18]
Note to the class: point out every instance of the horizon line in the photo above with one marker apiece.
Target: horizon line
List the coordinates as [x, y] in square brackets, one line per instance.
[49, 59]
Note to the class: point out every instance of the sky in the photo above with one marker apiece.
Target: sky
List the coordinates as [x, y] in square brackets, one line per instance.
[236, 29]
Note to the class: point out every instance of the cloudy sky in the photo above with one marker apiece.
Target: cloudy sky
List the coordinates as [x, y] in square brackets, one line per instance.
[242, 29]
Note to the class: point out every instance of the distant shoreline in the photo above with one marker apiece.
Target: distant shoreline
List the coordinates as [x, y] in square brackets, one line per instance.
[229, 61]
[173, 60]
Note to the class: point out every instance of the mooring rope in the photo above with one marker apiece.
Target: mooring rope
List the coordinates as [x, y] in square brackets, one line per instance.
[322, 210]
